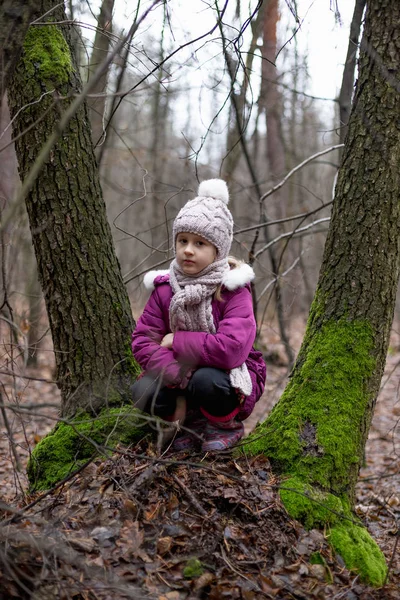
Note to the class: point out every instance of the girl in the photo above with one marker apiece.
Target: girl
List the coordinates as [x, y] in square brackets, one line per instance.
[194, 339]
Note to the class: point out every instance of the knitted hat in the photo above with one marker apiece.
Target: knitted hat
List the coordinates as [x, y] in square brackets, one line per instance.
[208, 215]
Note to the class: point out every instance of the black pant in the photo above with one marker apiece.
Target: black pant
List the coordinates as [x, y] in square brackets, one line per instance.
[208, 388]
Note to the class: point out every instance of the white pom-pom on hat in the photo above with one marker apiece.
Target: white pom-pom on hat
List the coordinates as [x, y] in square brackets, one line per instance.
[214, 188]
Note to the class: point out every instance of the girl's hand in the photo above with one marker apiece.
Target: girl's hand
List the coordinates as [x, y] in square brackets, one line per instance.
[167, 341]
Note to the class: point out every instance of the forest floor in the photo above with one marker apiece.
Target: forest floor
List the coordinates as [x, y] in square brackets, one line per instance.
[138, 525]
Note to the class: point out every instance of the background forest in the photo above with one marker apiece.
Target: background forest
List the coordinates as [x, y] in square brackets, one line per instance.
[222, 89]
[213, 109]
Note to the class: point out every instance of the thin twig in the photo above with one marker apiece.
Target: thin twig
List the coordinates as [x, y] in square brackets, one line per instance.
[159, 264]
[147, 476]
[53, 8]
[253, 583]
[253, 175]
[191, 496]
[32, 125]
[285, 220]
[10, 435]
[390, 565]
[13, 374]
[166, 59]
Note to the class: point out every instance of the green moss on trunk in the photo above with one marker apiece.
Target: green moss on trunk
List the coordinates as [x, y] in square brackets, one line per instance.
[314, 432]
[359, 551]
[313, 507]
[69, 445]
[347, 536]
[47, 55]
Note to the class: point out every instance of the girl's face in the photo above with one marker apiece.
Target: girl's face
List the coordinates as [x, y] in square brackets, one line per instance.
[194, 253]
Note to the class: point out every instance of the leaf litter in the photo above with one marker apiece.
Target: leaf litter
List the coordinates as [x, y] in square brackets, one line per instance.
[180, 527]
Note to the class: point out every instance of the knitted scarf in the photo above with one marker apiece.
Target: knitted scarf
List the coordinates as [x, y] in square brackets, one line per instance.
[191, 309]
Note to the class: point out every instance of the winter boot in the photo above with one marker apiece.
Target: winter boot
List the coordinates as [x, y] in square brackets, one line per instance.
[222, 435]
[191, 437]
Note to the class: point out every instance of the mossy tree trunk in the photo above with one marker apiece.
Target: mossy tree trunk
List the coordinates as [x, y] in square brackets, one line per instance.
[87, 303]
[317, 432]
[320, 426]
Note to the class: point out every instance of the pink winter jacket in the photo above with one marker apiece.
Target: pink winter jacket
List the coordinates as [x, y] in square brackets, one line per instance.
[229, 347]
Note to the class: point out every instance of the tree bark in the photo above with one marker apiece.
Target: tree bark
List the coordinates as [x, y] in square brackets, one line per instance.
[319, 427]
[87, 303]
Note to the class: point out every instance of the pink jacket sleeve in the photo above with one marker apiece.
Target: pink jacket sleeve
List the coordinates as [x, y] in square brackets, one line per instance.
[230, 346]
[146, 338]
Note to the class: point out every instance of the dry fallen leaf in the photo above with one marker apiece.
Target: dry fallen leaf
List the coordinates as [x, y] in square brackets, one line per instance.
[222, 479]
[164, 545]
[130, 507]
[82, 544]
[318, 571]
[152, 512]
[170, 596]
[106, 488]
[203, 581]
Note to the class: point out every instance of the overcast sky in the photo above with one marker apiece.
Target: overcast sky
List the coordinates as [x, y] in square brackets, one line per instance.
[327, 42]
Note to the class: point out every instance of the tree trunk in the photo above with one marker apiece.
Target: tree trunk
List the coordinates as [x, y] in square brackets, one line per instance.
[87, 304]
[8, 183]
[346, 90]
[317, 432]
[271, 100]
[15, 16]
[237, 127]
[115, 100]
[100, 50]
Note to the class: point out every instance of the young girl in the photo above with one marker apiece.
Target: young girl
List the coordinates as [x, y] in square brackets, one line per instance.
[194, 339]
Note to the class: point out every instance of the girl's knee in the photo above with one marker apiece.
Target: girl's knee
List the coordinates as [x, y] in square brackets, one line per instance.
[208, 381]
[143, 389]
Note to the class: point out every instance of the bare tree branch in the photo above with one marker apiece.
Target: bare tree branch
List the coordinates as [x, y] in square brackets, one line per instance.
[290, 234]
[281, 276]
[287, 219]
[297, 168]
